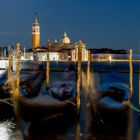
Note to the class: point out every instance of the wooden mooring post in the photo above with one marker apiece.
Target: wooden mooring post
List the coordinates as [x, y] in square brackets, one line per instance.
[16, 88]
[17, 70]
[14, 84]
[47, 69]
[131, 73]
[79, 74]
[10, 60]
[88, 70]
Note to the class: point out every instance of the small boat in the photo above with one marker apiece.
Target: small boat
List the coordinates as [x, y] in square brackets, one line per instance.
[113, 110]
[57, 100]
[4, 88]
[113, 96]
[6, 106]
[32, 85]
[3, 77]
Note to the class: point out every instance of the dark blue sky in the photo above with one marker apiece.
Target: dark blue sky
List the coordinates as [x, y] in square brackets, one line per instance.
[100, 23]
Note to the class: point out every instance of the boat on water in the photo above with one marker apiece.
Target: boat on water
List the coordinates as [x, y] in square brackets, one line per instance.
[58, 99]
[32, 85]
[4, 88]
[6, 101]
[113, 96]
[113, 109]
[54, 102]
[6, 107]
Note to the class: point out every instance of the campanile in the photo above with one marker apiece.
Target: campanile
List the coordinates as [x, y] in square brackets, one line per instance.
[35, 33]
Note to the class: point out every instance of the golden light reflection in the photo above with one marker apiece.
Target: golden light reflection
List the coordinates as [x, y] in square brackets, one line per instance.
[90, 94]
[77, 136]
[110, 58]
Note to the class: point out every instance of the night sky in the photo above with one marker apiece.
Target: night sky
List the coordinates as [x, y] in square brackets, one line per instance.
[99, 23]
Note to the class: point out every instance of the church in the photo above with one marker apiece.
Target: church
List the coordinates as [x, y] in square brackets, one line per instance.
[58, 51]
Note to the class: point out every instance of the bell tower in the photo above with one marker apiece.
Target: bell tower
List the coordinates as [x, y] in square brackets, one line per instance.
[35, 33]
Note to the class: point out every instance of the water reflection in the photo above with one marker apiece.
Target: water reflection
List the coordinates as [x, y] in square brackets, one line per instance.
[7, 130]
[78, 127]
[94, 124]
[88, 101]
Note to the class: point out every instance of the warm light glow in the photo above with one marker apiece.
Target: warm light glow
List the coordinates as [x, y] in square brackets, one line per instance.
[110, 58]
[22, 58]
[31, 57]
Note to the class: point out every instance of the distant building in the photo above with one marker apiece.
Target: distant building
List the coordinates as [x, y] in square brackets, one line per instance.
[58, 51]
[105, 54]
[75, 52]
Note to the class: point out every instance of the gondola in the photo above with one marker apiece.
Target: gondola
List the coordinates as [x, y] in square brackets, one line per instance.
[113, 109]
[57, 100]
[113, 96]
[6, 100]
[32, 85]
[6, 106]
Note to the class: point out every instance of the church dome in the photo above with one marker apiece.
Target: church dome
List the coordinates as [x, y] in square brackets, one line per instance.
[65, 39]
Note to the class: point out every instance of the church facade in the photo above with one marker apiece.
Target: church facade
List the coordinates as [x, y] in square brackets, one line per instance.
[58, 51]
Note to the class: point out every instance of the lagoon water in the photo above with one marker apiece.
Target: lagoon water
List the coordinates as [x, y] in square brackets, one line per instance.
[79, 127]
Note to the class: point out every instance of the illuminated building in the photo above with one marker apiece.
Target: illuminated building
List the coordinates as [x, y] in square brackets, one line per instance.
[58, 51]
[62, 51]
[35, 34]
[75, 52]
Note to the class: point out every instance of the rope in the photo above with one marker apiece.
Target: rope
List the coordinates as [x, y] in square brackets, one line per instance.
[134, 108]
[6, 101]
[69, 101]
